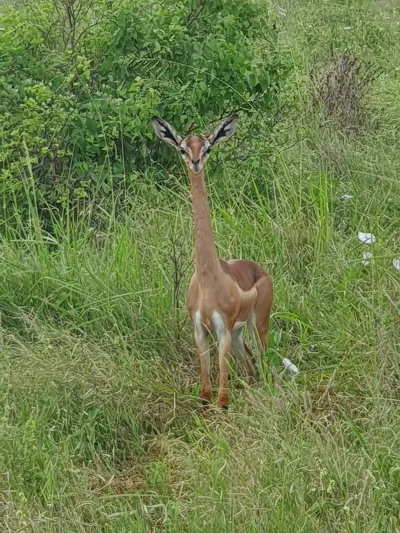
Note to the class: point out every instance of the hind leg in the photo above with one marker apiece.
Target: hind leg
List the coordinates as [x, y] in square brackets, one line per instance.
[241, 351]
[262, 311]
[262, 333]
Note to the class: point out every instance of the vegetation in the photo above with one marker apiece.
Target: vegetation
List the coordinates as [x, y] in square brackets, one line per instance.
[100, 425]
[81, 79]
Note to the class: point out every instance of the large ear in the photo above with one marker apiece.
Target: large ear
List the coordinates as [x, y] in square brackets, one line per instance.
[166, 132]
[223, 131]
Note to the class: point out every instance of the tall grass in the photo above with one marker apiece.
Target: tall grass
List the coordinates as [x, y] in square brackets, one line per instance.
[100, 426]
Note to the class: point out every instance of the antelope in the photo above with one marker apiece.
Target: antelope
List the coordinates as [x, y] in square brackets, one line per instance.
[223, 296]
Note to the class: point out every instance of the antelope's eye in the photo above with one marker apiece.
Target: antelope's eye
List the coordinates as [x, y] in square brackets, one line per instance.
[182, 151]
[208, 150]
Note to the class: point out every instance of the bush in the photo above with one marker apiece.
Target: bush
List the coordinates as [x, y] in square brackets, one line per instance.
[79, 81]
[343, 91]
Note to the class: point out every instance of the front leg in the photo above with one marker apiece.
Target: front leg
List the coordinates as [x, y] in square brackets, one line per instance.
[224, 348]
[203, 348]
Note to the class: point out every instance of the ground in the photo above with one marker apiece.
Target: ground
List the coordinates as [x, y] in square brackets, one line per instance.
[101, 428]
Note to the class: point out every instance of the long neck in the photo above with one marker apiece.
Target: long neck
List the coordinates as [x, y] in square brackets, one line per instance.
[207, 262]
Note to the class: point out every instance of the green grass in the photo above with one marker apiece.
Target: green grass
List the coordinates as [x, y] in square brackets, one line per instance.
[100, 427]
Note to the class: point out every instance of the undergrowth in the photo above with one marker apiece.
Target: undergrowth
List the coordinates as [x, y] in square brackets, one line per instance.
[100, 425]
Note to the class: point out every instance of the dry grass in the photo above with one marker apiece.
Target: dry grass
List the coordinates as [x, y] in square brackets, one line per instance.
[344, 91]
[100, 426]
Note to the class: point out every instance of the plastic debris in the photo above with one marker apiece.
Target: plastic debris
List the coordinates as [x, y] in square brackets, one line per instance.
[396, 264]
[367, 258]
[367, 238]
[290, 366]
[347, 197]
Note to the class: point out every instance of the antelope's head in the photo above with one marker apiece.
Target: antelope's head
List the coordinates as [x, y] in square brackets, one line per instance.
[195, 149]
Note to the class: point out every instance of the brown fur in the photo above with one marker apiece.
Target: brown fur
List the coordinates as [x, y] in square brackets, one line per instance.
[245, 273]
[195, 144]
[235, 290]
[221, 293]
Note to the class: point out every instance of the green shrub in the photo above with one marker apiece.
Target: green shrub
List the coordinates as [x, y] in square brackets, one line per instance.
[79, 81]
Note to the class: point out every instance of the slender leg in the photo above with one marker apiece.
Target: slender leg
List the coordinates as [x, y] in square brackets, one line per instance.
[224, 355]
[224, 348]
[203, 348]
[258, 328]
[250, 363]
[262, 310]
[263, 336]
[241, 351]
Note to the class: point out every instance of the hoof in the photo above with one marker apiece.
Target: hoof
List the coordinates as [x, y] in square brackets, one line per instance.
[205, 404]
[223, 406]
[205, 399]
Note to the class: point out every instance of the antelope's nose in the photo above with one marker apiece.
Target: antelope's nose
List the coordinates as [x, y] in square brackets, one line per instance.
[196, 161]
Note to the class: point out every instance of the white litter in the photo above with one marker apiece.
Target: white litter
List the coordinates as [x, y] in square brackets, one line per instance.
[367, 238]
[368, 257]
[396, 264]
[290, 366]
[347, 197]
